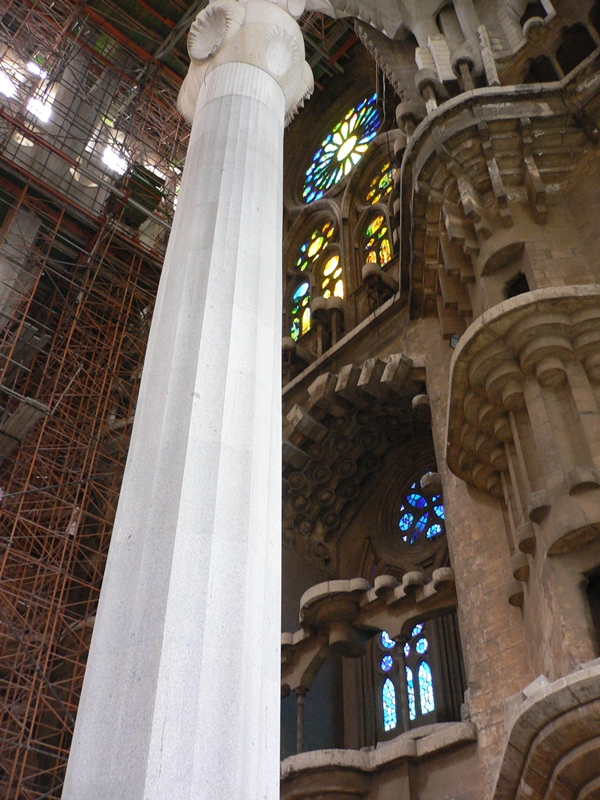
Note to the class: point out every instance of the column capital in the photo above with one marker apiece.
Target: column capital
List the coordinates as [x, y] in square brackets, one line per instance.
[261, 33]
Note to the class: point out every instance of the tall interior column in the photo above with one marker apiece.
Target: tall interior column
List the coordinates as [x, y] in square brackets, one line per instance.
[181, 693]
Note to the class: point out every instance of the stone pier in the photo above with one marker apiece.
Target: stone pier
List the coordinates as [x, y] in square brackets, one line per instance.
[181, 695]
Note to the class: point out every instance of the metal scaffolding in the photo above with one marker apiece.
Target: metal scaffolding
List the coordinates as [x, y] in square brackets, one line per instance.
[91, 154]
[82, 235]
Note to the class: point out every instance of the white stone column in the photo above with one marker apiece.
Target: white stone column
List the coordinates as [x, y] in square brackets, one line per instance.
[181, 694]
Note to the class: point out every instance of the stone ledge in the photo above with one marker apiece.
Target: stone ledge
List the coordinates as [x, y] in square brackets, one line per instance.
[548, 724]
[419, 743]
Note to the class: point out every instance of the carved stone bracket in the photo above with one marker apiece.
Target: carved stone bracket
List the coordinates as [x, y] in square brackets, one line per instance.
[552, 746]
[338, 438]
[337, 615]
[524, 415]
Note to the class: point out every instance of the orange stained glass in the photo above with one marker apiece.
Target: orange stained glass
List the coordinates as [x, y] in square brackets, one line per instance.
[371, 257]
[385, 252]
[306, 321]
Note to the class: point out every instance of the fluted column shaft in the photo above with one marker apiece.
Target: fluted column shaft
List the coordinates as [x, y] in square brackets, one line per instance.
[181, 695]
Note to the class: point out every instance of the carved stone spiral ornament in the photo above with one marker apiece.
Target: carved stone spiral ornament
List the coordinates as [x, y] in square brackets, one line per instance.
[260, 33]
[213, 25]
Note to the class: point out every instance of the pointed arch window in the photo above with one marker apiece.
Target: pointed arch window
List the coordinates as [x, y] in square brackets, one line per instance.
[377, 246]
[332, 281]
[314, 245]
[380, 185]
[300, 311]
[419, 677]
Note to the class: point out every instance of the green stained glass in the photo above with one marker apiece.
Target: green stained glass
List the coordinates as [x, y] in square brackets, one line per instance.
[341, 149]
[300, 311]
[381, 184]
[316, 244]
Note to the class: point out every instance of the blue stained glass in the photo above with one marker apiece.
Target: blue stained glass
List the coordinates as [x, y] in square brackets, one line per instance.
[426, 688]
[421, 646]
[388, 700]
[341, 149]
[439, 510]
[406, 650]
[386, 663]
[410, 689]
[386, 641]
[420, 526]
[417, 629]
[434, 531]
[405, 522]
[301, 291]
[417, 500]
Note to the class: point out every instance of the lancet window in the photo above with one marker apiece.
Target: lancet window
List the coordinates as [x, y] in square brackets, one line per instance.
[300, 310]
[377, 246]
[380, 185]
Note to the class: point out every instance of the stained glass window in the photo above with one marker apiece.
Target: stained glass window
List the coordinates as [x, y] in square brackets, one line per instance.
[316, 243]
[421, 646]
[341, 149]
[388, 700]
[426, 688]
[410, 689]
[300, 314]
[332, 283]
[420, 515]
[386, 663]
[386, 642]
[377, 244]
[381, 184]
[417, 629]
[406, 650]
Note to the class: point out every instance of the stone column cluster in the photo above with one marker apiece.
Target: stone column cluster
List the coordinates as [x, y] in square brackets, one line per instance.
[524, 420]
[181, 695]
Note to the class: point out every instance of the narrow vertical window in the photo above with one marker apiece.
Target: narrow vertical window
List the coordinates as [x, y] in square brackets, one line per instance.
[425, 688]
[410, 688]
[388, 700]
[300, 312]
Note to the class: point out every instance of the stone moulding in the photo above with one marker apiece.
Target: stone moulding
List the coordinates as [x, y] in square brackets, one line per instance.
[552, 750]
[346, 773]
[523, 415]
[336, 615]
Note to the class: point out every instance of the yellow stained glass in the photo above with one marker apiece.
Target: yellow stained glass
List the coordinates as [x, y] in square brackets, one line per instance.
[371, 257]
[339, 289]
[315, 246]
[325, 282]
[331, 265]
[385, 252]
[306, 321]
[374, 226]
[337, 273]
[327, 294]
